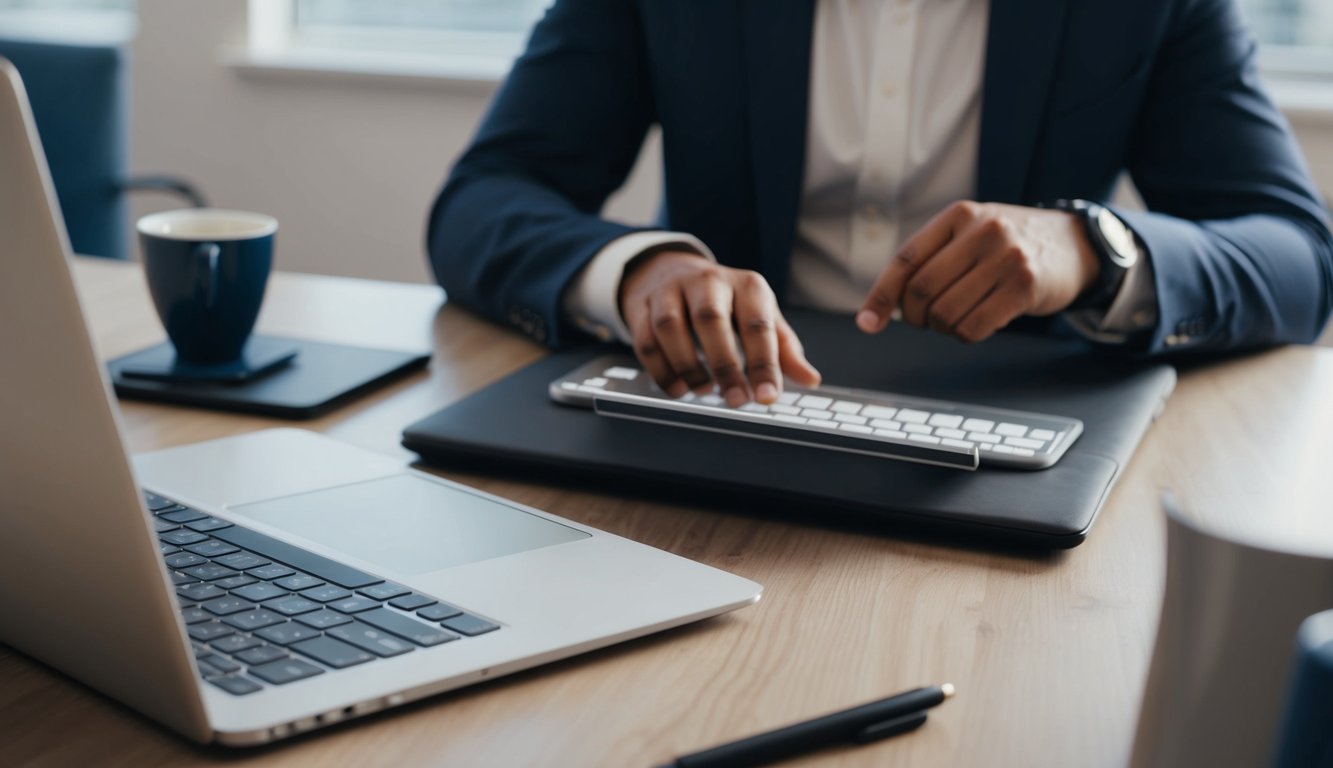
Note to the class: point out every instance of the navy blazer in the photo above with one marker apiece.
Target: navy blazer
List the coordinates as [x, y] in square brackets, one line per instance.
[1075, 93]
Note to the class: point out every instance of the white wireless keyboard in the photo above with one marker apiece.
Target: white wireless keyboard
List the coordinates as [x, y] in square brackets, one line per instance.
[874, 423]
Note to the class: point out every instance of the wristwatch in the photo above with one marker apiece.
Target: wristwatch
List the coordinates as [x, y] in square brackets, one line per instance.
[1114, 244]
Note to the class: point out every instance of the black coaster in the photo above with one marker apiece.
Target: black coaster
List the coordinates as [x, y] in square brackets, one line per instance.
[320, 377]
[262, 355]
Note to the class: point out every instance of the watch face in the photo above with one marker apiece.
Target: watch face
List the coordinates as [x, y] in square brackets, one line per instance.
[1119, 237]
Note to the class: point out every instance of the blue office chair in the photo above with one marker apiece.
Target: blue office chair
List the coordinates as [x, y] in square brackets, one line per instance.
[1306, 738]
[78, 95]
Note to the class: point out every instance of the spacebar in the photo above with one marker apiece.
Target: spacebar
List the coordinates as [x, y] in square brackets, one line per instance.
[287, 554]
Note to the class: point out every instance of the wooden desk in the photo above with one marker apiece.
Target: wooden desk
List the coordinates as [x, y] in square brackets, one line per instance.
[1049, 653]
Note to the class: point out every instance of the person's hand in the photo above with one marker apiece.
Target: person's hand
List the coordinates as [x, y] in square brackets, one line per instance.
[976, 266]
[670, 298]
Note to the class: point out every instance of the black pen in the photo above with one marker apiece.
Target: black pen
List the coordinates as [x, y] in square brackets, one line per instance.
[858, 725]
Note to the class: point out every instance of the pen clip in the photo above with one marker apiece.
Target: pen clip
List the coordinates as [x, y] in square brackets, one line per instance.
[889, 728]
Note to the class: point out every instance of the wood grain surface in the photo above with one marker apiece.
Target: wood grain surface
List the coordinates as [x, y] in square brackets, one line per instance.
[1049, 652]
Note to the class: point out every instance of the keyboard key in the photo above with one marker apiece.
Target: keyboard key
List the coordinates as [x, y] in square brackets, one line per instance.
[956, 434]
[891, 433]
[298, 582]
[1042, 434]
[823, 423]
[411, 602]
[856, 428]
[326, 594]
[1011, 430]
[879, 412]
[162, 526]
[845, 407]
[179, 578]
[368, 638]
[260, 592]
[982, 437]
[233, 644]
[386, 591]
[210, 572]
[910, 416]
[183, 537]
[168, 549]
[207, 524]
[232, 582]
[946, 420]
[815, 413]
[226, 606]
[753, 408]
[252, 620]
[959, 443]
[211, 548]
[621, 372]
[439, 612]
[220, 663]
[287, 633]
[332, 653]
[199, 592]
[847, 418]
[789, 419]
[1002, 449]
[243, 561]
[354, 605]
[788, 398]
[931, 439]
[917, 429]
[886, 424]
[470, 625]
[405, 627]
[182, 515]
[323, 619]
[978, 425]
[236, 685]
[790, 410]
[1024, 452]
[268, 572]
[285, 671]
[292, 605]
[184, 560]
[195, 615]
[156, 503]
[261, 654]
[596, 381]
[1023, 442]
[815, 401]
[207, 631]
[282, 552]
[207, 670]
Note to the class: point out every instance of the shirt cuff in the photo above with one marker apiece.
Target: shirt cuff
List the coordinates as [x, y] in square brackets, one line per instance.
[1133, 310]
[592, 301]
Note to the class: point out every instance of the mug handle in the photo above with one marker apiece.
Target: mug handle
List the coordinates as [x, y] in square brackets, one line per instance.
[208, 282]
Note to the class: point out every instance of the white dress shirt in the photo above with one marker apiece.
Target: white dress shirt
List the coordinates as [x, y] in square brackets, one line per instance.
[894, 126]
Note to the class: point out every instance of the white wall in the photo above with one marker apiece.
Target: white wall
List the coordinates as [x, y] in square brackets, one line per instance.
[348, 167]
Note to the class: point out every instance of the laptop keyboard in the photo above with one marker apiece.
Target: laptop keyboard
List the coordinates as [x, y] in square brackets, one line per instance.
[260, 611]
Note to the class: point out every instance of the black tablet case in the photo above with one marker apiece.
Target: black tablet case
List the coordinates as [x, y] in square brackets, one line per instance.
[322, 377]
[512, 427]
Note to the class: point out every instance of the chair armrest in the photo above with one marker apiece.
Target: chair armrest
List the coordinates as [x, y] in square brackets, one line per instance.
[170, 184]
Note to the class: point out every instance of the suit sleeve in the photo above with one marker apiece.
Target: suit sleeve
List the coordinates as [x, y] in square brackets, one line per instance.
[518, 217]
[1238, 238]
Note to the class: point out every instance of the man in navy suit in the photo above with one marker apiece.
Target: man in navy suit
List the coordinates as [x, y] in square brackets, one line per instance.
[945, 162]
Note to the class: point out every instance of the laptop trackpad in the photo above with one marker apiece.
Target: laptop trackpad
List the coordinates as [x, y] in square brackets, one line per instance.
[408, 524]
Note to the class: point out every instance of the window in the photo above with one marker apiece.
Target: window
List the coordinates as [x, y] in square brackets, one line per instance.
[468, 38]
[71, 21]
[1297, 36]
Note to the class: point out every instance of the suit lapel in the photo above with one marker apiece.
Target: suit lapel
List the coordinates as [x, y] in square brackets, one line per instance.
[777, 39]
[1022, 48]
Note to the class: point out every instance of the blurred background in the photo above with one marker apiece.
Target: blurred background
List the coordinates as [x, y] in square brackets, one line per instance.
[341, 117]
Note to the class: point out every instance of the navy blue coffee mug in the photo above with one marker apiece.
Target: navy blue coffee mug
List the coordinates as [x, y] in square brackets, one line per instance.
[206, 270]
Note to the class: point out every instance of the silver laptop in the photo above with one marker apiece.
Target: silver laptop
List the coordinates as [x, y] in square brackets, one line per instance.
[246, 589]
